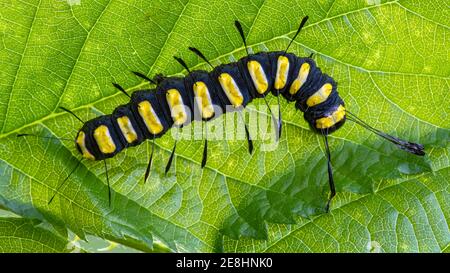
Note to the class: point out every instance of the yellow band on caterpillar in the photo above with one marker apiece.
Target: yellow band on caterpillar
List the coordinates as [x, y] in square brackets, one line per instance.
[282, 72]
[104, 140]
[231, 89]
[258, 76]
[177, 110]
[127, 129]
[327, 122]
[301, 79]
[203, 99]
[81, 142]
[149, 117]
[320, 95]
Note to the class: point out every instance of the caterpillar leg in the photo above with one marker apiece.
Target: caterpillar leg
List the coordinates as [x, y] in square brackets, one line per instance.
[107, 181]
[45, 137]
[274, 120]
[205, 153]
[72, 113]
[149, 165]
[142, 76]
[238, 26]
[279, 121]
[121, 89]
[169, 163]
[330, 175]
[200, 54]
[302, 24]
[247, 134]
[205, 147]
[62, 183]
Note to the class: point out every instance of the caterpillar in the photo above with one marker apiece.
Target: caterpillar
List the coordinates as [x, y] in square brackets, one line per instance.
[203, 95]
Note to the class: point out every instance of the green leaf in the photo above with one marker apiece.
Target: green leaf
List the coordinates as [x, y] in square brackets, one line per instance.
[21, 235]
[410, 216]
[389, 59]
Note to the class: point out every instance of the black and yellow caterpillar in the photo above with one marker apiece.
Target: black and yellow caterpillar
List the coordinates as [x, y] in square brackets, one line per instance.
[177, 101]
[150, 113]
[203, 95]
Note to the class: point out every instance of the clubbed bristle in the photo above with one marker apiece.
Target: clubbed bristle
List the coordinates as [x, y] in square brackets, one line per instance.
[410, 147]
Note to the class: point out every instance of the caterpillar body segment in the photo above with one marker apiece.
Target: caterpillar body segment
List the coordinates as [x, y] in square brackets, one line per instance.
[205, 95]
